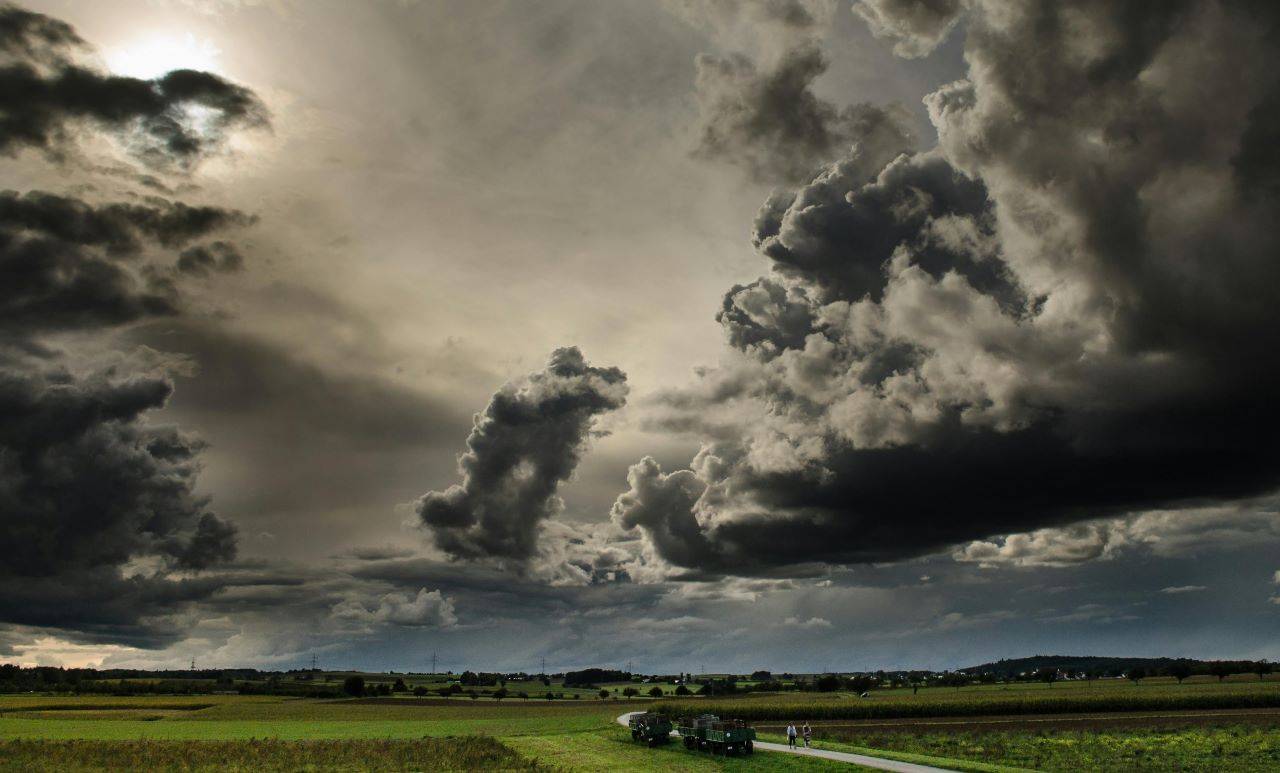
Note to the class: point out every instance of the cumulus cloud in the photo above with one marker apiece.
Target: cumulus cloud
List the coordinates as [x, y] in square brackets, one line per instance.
[812, 622]
[916, 27]
[522, 447]
[1061, 314]
[426, 609]
[46, 97]
[1174, 590]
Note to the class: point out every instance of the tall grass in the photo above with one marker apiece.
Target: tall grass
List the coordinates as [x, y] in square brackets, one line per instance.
[448, 754]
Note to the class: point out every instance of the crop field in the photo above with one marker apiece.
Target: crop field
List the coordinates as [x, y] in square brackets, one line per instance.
[278, 733]
[1225, 748]
[467, 753]
[1110, 696]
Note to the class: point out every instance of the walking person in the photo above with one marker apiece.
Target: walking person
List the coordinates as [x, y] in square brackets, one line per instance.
[791, 735]
[808, 734]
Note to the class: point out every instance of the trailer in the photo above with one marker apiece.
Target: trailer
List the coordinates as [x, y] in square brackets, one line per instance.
[718, 736]
[650, 728]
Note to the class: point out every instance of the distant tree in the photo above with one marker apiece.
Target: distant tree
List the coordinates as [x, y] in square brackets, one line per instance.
[655, 692]
[400, 686]
[860, 683]
[500, 693]
[445, 692]
[1137, 674]
[549, 695]
[828, 683]
[419, 691]
[1221, 670]
[522, 694]
[1180, 670]
[384, 688]
[987, 677]
[546, 682]
[1262, 668]
[682, 690]
[353, 686]
[1047, 675]
[1091, 676]
[630, 692]
[761, 676]
[603, 694]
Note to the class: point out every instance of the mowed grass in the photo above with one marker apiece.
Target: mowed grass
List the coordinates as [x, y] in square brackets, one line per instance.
[1233, 748]
[461, 754]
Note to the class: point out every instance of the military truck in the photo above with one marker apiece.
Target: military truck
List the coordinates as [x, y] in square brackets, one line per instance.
[718, 736]
[650, 728]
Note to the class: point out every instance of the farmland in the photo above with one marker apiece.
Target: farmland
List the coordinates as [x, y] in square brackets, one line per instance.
[50, 732]
[982, 700]
[1206, 748]
[1159, 724]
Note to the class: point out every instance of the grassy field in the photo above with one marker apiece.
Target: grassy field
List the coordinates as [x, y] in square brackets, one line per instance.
[1227, 748]
[275, 733]
[467, 753]
[1071, 697]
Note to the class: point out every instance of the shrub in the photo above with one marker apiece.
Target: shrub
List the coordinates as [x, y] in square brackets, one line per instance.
[353, 686]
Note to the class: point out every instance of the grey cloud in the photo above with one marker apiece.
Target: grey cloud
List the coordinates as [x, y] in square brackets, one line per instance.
[47, 97]
[68, 264]
[112, 542]
[1029, 327]
[523, 446]
[217, 256]
[916, 27]
[772, 123]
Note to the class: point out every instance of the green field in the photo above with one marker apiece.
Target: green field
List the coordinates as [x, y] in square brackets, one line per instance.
[275, 733]
[1228, 748]
[979, 700]
[186, 732]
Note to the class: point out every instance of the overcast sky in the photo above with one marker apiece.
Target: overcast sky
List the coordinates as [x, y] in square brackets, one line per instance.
[884, 334]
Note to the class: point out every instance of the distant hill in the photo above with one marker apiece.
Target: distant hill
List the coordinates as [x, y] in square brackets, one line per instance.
[1105, 666]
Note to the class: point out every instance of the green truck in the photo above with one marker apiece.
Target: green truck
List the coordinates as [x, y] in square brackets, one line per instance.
[650, 728]
[718, 736]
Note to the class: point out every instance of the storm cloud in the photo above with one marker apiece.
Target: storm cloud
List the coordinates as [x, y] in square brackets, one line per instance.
[522, 447]
[108, 538]
[46, 97]
[1062, 313]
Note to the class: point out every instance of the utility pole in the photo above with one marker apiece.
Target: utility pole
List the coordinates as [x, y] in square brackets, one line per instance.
[193, 662]
[628, 666]
[433, 662]
[313, 662]
[544, 666]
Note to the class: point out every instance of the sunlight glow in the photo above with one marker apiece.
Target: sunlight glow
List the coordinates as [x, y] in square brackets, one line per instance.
[154, 56]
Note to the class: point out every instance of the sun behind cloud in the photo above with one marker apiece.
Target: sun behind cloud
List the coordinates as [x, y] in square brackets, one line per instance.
[157, 53]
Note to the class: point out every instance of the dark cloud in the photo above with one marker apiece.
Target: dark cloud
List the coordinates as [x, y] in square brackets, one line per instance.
[68, 264]
[205, 258]
[86, 487]
[45, 97]
[1062, 313]
[772, 123]
[107, 539]
[523, 446]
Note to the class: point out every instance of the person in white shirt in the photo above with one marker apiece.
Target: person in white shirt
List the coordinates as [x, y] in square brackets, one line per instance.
[791, 735]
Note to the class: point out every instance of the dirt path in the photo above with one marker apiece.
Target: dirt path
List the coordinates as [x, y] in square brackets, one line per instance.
[858, 759]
